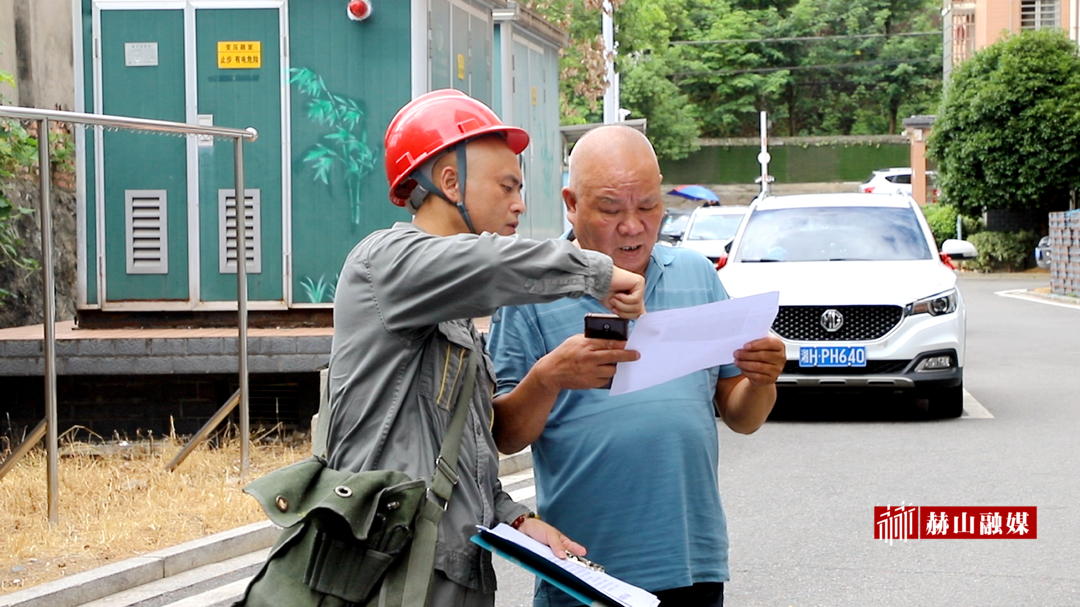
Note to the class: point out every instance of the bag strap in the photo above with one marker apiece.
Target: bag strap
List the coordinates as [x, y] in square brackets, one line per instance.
[445, 475]
[421, 567]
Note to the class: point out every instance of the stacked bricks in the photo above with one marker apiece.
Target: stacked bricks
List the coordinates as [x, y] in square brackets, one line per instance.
[1065, 253]
[164, 356]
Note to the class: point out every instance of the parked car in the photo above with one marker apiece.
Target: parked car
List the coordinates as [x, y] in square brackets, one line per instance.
[866, 301]
[1042, 252]
[674, 225]
[711, 228]
[891, 181]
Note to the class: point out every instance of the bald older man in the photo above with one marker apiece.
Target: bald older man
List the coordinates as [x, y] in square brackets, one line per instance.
[633, 477]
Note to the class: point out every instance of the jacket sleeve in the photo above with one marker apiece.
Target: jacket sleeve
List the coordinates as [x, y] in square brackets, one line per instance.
[506, 509]
[419, 280]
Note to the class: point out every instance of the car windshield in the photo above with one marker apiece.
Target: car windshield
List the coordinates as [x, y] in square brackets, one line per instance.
[674, 224]
[714, 227]
[833, 234]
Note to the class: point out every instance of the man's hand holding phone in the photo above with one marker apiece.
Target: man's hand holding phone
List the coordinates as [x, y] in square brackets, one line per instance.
[611, 332]
[587, 361]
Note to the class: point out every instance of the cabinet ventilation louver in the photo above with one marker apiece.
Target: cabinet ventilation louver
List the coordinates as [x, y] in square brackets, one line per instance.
[227, 231]
[146, 227]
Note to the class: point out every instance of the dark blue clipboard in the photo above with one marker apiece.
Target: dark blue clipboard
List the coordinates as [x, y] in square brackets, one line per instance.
[541, 567]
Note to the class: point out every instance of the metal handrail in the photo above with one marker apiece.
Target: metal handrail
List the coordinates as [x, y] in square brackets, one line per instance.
[128, 123]
[23, 448]
[49, 317]
[204, 432]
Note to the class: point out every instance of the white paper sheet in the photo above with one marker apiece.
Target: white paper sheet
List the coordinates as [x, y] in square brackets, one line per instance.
[674, 343]
[627, 594]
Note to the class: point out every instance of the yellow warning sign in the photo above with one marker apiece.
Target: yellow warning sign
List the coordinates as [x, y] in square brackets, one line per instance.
[239, 55]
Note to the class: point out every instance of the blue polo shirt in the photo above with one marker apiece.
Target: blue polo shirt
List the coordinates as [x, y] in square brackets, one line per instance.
[632, 477]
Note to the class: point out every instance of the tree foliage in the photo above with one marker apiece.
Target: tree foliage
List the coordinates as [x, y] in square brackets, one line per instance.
[18, 151]
[706, 68]
[864, 71]
[1007, 135]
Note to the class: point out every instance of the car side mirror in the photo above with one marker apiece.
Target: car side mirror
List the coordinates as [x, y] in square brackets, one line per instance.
[959, 249]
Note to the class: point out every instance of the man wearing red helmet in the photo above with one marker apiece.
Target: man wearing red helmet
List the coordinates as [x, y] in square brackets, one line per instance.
[403, 330]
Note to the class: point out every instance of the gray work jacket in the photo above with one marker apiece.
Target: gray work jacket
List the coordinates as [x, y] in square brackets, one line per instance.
[402, 333]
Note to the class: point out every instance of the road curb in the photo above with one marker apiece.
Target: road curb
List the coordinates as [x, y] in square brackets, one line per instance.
[1063, 299]
[129, 573]
[509, 464]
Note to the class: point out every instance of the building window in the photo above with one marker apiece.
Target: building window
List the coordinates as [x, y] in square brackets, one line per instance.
[963, 34]
[1039, 14]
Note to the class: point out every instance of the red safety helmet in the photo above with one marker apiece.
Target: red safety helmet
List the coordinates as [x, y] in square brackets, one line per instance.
[432, 123]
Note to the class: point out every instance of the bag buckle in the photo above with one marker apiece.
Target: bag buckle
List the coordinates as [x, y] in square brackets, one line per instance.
[450, 474]
[435, 499]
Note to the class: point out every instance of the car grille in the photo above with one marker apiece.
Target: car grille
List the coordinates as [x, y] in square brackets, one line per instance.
[861, 323]
[873, 367]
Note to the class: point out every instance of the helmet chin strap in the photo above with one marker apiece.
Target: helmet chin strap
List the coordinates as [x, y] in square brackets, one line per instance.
[462, 169]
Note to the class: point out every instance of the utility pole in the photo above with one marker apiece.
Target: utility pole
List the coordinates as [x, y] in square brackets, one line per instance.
[763, 156]
[611, 95]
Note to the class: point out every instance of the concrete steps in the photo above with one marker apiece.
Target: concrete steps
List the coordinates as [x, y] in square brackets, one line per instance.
[110, 580]
[211, 585]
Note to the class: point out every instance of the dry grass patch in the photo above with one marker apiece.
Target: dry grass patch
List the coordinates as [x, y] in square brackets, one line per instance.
[117, 501]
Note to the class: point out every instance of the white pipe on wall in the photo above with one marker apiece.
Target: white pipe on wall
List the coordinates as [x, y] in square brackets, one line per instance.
[1074, 16]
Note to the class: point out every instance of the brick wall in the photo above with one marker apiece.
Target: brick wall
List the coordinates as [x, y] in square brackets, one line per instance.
[1065, 253]
[134, 404]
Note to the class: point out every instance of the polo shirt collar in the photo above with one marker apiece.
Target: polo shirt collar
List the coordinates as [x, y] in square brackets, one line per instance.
[660, 257]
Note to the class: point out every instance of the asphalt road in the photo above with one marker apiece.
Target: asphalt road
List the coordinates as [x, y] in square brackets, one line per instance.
[800, 493]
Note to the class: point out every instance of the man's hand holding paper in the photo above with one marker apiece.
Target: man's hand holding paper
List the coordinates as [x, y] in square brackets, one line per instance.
[673, 343]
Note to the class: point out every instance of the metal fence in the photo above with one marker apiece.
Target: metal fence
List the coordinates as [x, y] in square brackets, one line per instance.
[101, 122]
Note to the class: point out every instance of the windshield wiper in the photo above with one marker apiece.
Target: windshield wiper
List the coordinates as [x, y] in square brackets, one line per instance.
[765, 260]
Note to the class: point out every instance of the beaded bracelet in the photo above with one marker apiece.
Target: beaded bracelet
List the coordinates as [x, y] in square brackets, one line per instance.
[521, 519]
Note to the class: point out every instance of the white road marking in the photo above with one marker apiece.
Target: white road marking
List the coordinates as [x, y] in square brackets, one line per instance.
[1023, 294]
[517, 477]
[524, 493]
[973, 409]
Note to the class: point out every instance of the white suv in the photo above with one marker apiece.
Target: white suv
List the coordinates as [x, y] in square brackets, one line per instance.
[892, 181]
[866, 302]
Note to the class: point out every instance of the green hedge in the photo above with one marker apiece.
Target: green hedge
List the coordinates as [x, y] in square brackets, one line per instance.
[942, 220]
[1002, 251]
[793, 163]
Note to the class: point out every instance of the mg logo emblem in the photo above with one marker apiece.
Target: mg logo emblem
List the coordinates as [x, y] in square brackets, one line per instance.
[832, 320]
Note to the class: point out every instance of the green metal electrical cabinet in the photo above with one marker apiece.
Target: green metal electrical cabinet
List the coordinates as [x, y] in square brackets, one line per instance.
[157, 214]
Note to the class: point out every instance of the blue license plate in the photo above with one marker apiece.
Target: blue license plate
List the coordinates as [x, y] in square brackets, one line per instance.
[832, 356]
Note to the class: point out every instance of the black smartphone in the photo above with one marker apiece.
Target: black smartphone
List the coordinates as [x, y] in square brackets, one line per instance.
[606, 326]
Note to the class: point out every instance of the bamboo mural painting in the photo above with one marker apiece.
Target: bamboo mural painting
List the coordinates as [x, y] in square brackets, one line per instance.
[346, 145]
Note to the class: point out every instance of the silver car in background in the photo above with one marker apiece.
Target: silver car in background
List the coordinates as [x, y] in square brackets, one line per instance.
[711, 229]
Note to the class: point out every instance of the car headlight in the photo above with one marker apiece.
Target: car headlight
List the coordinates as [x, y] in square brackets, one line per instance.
[935, 305]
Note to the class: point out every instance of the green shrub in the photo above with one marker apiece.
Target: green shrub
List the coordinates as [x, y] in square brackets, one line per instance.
[971, 226]
[942, 220]
[18, 151]
[1002, 251]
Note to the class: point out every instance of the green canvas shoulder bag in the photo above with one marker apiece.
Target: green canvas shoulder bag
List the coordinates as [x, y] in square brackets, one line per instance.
[355, 539]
